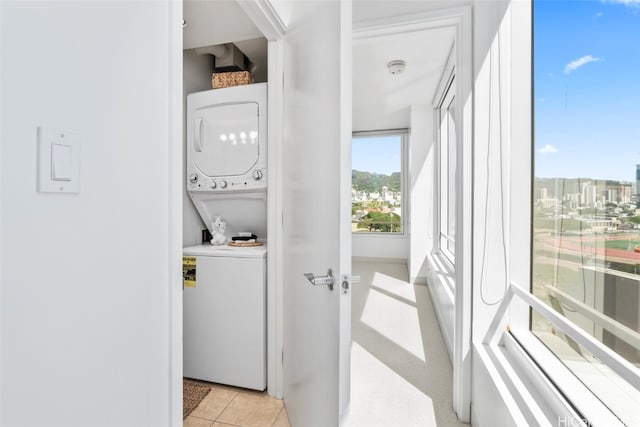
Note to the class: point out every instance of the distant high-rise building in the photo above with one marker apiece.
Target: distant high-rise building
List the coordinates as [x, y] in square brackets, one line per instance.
[624, 195]
[610, 196]
[588, 194]
[543, 193]
[638, 179]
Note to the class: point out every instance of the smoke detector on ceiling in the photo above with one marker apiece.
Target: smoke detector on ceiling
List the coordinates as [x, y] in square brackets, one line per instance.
[396, 67]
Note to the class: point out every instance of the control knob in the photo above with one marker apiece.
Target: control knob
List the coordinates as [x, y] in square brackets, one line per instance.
[193, 178]
[223, 184]
[213, 185]
[257, 175]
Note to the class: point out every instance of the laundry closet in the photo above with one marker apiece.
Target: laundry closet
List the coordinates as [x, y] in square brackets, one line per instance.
[225, 196]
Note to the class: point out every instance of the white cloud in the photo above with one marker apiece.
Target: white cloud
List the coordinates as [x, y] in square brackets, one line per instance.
[599, 15]
[634, 3]
[574, 65]
[548, 149]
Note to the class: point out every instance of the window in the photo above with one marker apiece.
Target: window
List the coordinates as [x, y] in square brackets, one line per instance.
[447, 171]
[586, 216]
[377, 182]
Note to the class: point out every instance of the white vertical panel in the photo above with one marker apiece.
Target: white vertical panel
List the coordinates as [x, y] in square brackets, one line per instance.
[275, 248]
[464, 218]
[314, 156]
[346, 131]
[176, 187]
[421, 176]
[518, 70]
[1, 206]
[85, 279]
[502, 140]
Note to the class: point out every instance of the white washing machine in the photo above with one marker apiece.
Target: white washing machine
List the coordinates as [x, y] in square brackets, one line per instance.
[225, 287]
[224, 316]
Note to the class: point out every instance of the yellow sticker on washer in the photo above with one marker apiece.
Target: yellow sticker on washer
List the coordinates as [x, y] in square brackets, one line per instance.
[189, 271]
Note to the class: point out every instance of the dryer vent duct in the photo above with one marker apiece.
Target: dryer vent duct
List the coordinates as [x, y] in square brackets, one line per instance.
[227, 57]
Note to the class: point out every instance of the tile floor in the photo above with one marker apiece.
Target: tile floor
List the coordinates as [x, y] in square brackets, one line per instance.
[231, 406]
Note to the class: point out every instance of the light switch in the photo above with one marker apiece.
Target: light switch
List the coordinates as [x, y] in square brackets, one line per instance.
[58, 161]
[61, 162]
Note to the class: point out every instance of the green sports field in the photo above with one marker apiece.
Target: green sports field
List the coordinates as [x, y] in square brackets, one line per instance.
[624, 244]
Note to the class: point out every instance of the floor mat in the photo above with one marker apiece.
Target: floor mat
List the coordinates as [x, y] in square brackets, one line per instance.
[192, 394]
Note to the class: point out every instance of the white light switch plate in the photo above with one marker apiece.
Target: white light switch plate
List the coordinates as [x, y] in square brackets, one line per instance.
[58, 161]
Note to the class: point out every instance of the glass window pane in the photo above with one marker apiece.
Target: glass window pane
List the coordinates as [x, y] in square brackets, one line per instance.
[444, 176]
[447, 173]
[451, 178]
[376, 184]
[586, 236]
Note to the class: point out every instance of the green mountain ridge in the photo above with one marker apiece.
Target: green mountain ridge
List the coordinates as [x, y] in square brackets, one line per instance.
[371, 182]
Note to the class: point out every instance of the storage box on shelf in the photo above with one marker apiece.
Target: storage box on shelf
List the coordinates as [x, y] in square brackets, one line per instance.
[233, 78]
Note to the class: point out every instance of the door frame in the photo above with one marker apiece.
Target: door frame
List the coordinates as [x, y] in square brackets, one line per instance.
[272, 26]
[459, 18]
[265, 17]
[175, 213]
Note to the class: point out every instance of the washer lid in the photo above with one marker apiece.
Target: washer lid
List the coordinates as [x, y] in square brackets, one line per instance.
[226, 251]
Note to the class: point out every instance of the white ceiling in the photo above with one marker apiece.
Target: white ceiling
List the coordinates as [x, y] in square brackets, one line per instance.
[382, 100]
[367, 10]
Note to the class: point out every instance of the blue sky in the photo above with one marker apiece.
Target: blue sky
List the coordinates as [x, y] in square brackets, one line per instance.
[587, 88]
[380, 154]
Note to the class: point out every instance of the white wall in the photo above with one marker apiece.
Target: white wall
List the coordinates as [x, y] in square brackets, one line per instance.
[197, 71]
[85, 277]
[491, 145]
[421, 187]
[375, 246]
[502, 138]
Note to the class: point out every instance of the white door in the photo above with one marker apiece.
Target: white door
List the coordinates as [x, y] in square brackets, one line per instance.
[317, 210]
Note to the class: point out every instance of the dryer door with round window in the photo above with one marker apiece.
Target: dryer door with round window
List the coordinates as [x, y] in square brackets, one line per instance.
[225, 139]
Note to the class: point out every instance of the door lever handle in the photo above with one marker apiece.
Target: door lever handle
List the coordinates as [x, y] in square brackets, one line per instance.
[327, 280]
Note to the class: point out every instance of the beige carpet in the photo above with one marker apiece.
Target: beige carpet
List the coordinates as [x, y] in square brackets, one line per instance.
[400, 371]
[192, 394]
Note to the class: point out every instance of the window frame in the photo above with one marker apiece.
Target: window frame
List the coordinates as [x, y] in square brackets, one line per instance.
[445, 96]
[445, 196]
[510, 339]
[404, 134]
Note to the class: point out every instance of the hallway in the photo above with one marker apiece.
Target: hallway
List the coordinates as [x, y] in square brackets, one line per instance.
[400, 371]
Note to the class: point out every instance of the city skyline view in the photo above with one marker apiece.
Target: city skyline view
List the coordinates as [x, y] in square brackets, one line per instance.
[585, 234]
[577, 81]
[376, 183]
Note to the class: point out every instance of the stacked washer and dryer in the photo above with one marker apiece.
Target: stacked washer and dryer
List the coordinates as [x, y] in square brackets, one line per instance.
[224, 309]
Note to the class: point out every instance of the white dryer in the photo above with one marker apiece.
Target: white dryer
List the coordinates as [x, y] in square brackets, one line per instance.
[227, 156]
